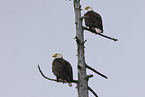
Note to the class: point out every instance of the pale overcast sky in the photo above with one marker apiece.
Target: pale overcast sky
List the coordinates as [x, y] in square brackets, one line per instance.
[32, 30]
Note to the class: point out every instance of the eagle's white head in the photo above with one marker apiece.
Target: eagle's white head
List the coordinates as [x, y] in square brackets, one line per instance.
[88, 8]
[57, 55]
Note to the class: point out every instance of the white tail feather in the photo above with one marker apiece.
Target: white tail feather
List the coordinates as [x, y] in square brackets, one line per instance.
[98, 30]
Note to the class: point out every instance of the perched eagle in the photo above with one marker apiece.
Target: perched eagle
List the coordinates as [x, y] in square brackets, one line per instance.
[62, 69]
[93, 20]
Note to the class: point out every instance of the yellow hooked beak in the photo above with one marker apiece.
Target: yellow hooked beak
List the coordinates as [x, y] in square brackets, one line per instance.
[86, 8]
[54, 55]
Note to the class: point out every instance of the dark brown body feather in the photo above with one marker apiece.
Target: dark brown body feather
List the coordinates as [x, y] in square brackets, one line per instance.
[93, 20]
[62, 69]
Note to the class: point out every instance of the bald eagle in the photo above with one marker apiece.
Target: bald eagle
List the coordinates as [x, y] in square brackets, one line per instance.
[93, 20]
[62, 69]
